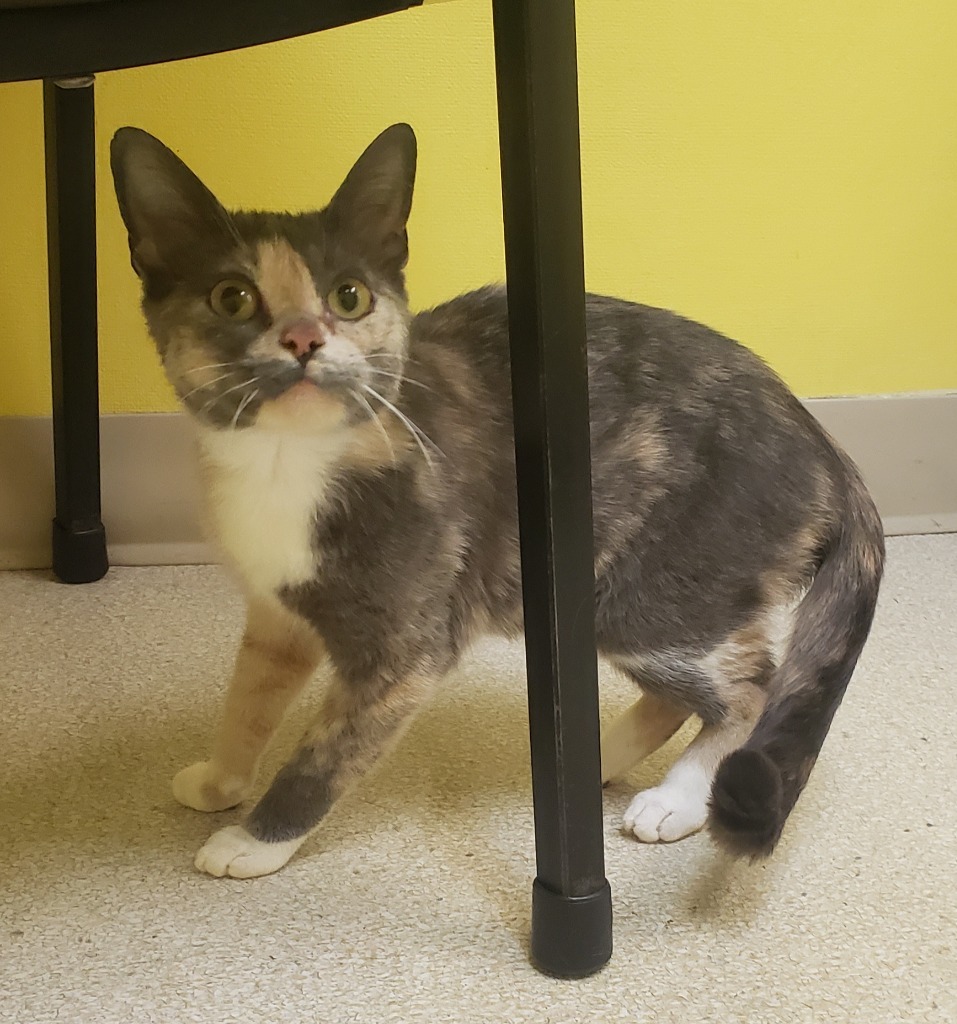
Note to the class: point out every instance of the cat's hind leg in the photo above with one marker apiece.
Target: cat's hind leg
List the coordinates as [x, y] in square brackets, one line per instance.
[354, 727]
[679, 805]
[278, 654]
[641, 730]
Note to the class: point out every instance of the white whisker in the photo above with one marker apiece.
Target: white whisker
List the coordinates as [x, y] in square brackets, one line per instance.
[208, 366]
[402, 377]
[223, 394]
[417, 433]
[242, 405]
[202, 387]
[397, 357]
[378, 422]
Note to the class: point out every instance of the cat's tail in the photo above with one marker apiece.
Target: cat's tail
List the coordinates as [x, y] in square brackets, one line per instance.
[757, 785]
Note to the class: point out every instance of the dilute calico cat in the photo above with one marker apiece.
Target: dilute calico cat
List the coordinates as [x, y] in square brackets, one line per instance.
[360, 476]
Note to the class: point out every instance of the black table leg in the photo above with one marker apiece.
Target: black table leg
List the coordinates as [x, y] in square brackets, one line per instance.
[79, 541]
[536, 67]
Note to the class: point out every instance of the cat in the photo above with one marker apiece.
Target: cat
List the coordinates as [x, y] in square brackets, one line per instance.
[360, 481]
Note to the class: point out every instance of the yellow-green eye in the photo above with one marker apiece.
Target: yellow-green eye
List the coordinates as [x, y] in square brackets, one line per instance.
[234, 300]
[350, 300]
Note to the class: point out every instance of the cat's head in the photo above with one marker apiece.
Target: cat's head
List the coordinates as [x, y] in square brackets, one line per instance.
[272, 317]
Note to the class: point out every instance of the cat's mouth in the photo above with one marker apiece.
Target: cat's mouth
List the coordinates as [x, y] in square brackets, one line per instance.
[279, 381]
[251, 388]
[316, 390]
[302, 402]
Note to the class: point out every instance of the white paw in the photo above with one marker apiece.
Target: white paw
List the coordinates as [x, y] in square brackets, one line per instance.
[204, 788]
[233, 851]
[666, 813]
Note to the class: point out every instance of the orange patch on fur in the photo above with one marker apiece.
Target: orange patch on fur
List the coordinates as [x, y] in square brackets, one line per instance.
[284, 280]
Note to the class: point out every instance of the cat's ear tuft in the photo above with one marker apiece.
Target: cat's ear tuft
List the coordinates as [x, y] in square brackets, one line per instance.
[372, 205]
[173, 220]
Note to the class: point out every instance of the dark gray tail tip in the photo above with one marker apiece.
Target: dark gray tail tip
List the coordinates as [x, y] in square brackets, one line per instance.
[747, 804]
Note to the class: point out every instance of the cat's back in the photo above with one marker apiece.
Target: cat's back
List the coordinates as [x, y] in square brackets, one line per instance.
[691, 408]
[468, 333]
[637, 355]
[619, 332]
[673, 404]
[657, 355]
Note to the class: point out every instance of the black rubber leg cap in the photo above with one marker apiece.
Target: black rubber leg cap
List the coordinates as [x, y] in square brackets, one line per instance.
[79, 555]
[571, 935]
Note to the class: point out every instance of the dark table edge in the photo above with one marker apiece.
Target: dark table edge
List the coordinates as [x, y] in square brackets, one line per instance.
[83, 39]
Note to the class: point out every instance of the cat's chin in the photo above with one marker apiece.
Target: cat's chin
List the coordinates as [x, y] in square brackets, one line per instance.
[304, 406]
[302, 391]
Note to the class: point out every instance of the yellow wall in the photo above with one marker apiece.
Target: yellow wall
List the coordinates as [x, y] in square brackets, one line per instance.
[785, 172]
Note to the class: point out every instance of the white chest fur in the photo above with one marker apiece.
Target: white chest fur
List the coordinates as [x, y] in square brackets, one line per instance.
[264, 491]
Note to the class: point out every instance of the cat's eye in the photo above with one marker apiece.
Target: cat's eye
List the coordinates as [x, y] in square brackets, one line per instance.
[234, 300]
[350, 299]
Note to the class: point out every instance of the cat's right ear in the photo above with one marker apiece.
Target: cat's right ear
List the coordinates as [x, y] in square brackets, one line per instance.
[173, 220]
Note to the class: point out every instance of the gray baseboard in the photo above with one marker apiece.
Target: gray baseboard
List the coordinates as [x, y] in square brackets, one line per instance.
[902, 444]
[150, 484]
[906, 448]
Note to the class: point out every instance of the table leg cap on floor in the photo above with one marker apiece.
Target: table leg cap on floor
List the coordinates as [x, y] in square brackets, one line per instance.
[79, 553]
[571, 935]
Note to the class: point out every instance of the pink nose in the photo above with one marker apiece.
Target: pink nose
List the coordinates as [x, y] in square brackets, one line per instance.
[302, 339]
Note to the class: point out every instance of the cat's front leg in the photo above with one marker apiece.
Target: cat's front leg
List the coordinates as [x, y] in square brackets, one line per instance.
[354, 727]
[278, 654]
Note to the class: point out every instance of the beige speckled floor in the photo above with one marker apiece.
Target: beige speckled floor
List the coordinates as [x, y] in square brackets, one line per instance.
[412, 903]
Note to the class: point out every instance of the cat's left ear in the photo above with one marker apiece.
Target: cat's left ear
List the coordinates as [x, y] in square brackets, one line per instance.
[372, 205]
